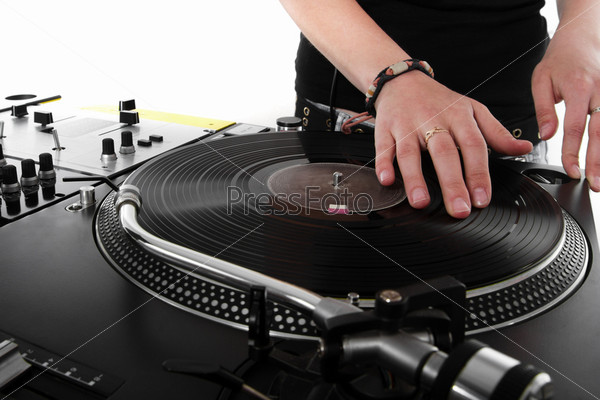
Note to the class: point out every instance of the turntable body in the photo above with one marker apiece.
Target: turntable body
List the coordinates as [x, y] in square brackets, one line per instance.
[65, 299]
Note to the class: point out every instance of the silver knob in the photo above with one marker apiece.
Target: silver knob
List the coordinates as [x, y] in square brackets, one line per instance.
[87, 196]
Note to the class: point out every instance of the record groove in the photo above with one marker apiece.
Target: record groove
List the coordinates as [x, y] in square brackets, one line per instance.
[186, 202]
[184, 195]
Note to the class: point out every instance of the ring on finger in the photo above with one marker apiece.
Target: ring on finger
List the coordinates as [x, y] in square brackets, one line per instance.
[429, 134]
[594, 110]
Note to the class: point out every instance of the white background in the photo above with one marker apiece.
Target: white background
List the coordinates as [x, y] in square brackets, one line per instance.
[225, 59]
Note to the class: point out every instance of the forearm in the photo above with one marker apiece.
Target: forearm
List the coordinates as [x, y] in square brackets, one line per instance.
[347, 37]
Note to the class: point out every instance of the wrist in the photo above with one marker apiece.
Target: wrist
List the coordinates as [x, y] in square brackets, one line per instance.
[390, 73]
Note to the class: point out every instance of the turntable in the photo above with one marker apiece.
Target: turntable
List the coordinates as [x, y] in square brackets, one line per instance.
[168, 267]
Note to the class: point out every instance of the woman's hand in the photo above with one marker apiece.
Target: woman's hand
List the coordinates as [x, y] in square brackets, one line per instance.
[570, 71]
[411, 105]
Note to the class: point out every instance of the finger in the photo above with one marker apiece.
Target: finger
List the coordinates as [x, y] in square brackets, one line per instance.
[408, 154]
[592, 160]
[448, 168]
[496, 135]
[475, 158]
[385, 150]
[544, 100]
[574, 126]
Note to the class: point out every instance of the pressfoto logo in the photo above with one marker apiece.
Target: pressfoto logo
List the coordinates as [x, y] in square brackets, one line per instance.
[313, 199]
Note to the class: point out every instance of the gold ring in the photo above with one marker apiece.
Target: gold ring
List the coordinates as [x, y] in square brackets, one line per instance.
[429, 134]
[594, 110]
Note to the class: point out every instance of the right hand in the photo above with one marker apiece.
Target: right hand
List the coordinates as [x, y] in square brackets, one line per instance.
[412, 104]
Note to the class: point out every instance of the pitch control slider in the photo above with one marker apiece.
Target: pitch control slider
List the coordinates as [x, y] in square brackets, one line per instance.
[65, 368]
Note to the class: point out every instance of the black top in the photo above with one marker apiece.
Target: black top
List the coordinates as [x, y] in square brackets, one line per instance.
[486, 49]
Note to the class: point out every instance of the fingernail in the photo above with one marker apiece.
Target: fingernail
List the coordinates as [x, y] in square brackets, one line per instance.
[460, 206]
[575, 172]
[480, 197]
[596, 184]
[384, 175]
[545, 131]
[419, 196]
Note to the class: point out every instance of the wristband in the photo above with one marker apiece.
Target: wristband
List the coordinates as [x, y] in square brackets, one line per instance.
[390, 73]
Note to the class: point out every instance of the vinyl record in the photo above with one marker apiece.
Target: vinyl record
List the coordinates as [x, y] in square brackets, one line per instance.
[217, 198]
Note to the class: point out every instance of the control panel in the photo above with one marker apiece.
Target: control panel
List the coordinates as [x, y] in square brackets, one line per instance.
[43, 143]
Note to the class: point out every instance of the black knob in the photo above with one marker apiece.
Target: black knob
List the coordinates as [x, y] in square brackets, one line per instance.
[11, 190]
[126, 138]
[9, 172]
[129, 117]
[108, 150]
[28, 168]
[19, 111]
[127, 105]
[43, 117]
[29, 179]
[108, 146]
[46, 163]
[47, 174]
[126, 143]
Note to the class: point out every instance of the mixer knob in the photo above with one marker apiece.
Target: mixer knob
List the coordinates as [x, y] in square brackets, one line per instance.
[47, 173]
[129, 117]
[19, 111]
[29, 179]
[127, 105]
[11, 190]
[43, 117]
[127, 143]
[108, 150]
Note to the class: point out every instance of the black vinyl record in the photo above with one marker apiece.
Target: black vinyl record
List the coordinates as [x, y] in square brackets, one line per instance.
[213, 197]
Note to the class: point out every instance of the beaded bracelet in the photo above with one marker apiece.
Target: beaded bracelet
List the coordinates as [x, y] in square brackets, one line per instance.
[390, 73]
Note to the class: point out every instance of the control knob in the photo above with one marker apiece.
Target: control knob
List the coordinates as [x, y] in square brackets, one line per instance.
[126, 143]
[127, 105]
[108, 150]
[19, 111]
[287, 124]
[43, 117]
[11, 190]
[129, 117]
[47, 174]
[87, 196]
[30, 182]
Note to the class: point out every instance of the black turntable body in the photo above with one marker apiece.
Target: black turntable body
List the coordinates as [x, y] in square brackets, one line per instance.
[96, 315]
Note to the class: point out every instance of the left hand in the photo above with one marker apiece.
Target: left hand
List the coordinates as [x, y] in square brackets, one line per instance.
[570, 72]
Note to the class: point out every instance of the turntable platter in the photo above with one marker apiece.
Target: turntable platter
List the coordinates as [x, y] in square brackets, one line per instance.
[214, 197]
